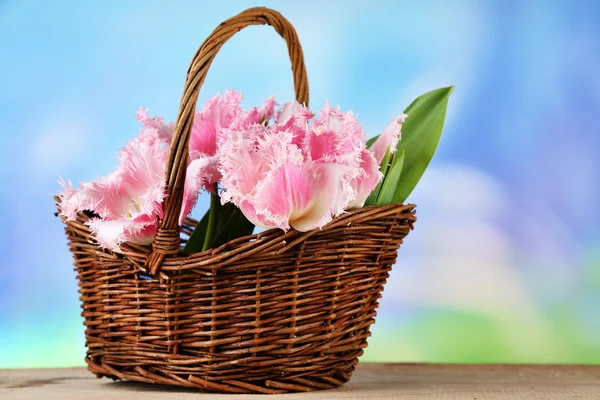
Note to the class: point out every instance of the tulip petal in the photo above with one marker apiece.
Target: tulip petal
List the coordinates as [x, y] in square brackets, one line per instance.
[335, 137]
[293, 117]
[218, 113]
[367, 180]
[155, 126]
[201, 173]
[388, 138]
[256, 115]
[304, 196]
[257, 219]
[109, 234]
[247, 156]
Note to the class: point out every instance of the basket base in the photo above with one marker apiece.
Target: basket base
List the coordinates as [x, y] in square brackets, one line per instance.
[306, 383]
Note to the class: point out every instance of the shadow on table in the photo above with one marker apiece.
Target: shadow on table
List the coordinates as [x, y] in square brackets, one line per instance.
[31, 383]
[133, 386]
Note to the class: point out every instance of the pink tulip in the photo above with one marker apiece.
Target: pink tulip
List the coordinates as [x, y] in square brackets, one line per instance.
[388, 138]
[371, 159]
[128, 202]
[247, 156]
[220, 113]
[155, 126]
[293, 117]
[302, 195]
[87, 197]
[338, 137]
[296, 112]
[111, 233]
[251, 163]
[274, 184]
[256, 115]
[367, 179]
[334, 137]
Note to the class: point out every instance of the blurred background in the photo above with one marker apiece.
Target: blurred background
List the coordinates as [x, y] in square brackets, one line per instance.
[504, 264]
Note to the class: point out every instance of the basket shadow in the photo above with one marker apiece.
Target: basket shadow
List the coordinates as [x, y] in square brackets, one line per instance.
[133, 386]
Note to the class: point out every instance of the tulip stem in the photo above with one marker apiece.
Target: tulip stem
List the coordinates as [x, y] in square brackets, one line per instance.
[212, 218]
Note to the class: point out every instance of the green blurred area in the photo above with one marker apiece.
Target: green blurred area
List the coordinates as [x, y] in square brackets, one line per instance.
[455, 337]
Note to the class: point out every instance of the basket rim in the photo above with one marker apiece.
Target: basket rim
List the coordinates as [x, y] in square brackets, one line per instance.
[274, 241]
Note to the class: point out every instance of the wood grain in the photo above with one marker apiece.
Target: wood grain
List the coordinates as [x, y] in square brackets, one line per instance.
[370, 381]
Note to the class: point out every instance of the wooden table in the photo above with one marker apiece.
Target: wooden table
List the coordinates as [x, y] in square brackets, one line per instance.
[370, 381]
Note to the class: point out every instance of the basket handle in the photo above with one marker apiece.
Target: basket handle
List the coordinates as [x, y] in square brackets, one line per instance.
[167, 239]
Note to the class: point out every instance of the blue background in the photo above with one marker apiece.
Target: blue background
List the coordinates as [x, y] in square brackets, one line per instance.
[504, 265]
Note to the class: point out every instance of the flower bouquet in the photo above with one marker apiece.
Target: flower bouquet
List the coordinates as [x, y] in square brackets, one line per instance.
[211, 305]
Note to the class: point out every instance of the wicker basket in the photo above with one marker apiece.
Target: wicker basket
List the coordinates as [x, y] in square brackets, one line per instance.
[269, 313]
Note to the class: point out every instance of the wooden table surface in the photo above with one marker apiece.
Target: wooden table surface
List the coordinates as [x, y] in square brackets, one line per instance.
[370, 381]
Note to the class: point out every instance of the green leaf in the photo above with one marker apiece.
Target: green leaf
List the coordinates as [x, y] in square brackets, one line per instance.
[228, 223]
[236, 225]
[385, 163]
[390, 181]
[214, 214]
[420, 136]
[371, 141]
[196, 240]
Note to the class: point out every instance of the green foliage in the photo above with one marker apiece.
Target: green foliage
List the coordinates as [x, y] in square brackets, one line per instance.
[228, 223]
[420, 136]
[196, 240]
[385, 163]
[390, 183]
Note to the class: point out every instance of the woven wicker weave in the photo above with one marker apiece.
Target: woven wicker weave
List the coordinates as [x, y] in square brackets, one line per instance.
[270, 313]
